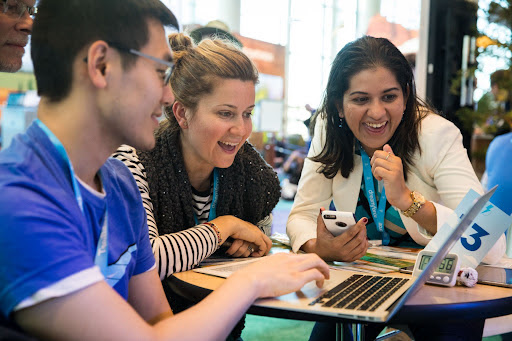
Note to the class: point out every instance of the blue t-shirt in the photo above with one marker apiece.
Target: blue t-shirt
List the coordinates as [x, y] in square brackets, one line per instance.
[499, 167]
[45, 238]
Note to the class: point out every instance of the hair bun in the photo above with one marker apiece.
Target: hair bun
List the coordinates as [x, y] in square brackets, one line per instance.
[180, 42]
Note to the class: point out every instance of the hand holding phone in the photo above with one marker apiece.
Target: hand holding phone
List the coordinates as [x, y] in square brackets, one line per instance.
[338, 222]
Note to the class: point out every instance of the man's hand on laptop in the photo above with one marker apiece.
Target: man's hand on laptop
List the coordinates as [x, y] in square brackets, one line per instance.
[282, 273]
[248, 238]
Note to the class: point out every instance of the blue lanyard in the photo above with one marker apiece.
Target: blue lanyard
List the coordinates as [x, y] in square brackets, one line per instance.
[101, 257]
[378, 212]
[213, 207]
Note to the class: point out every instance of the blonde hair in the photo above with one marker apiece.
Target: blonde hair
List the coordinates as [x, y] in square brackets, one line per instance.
[198, 68]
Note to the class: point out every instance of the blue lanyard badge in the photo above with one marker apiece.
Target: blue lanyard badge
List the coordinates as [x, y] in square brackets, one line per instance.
[101, 259]
[213, 206]
[378, 212]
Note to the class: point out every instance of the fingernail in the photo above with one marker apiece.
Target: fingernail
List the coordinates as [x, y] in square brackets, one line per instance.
[365, 220]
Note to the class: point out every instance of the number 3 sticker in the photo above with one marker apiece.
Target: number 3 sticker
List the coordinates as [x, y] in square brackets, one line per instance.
[480, 232]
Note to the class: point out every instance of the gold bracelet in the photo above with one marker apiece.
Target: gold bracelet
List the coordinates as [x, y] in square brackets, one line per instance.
[417, 202]
[216, 229]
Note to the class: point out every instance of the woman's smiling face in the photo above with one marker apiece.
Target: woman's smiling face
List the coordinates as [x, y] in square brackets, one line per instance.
[373, 106]
[219, 125]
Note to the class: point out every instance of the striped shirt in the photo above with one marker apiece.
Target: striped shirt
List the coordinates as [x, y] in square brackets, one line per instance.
[202, 203]
[180, 251]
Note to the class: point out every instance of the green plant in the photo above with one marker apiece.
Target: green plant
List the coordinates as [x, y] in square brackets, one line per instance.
[492, 114]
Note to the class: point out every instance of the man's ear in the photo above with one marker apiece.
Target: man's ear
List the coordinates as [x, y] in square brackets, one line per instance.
[179, 111]
[98, 63]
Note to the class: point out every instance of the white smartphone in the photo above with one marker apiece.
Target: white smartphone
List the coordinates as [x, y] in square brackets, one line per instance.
[338, 222]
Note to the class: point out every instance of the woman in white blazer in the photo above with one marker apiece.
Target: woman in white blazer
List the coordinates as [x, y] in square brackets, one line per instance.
[414, 159]
[381, 153]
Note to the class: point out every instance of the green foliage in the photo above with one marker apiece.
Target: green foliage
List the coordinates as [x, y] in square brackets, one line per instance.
[469, 117]
[500, 12]
[456, 82]
[490, 115]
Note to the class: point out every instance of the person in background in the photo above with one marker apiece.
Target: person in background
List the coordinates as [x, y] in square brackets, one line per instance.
[15, 28]
[292, 167]
[381, 153]
[202, 170]
[76, 258]
[310, 121]
[495, 105]
[500, 84]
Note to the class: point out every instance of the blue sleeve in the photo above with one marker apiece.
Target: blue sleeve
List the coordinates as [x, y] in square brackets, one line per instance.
[145, 257]
[498, 171]
[40, 238]
[126, 188]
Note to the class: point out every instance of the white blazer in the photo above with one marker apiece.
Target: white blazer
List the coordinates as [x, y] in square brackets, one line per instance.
[442, 173]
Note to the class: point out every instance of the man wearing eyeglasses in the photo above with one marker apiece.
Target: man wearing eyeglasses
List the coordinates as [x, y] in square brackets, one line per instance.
[75, 258]
[15, 27]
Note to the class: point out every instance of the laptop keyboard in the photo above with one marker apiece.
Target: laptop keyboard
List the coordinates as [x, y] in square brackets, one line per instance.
[360, 292]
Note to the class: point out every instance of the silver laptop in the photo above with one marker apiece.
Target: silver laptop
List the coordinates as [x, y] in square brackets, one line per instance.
[357, 296]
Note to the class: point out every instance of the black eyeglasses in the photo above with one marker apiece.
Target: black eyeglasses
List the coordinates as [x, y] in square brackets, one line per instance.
[16, 8]
[170, 65]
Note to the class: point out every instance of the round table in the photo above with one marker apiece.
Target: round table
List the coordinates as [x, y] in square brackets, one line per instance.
[431, 304]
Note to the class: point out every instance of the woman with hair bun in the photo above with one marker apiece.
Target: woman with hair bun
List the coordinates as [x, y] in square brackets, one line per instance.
[203, 179]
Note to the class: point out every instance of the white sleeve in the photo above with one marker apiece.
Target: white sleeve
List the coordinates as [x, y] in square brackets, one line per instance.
[314, 191]
[442, 172]
[174, 252]
[65, 286]
[452, 172]
[446, 164]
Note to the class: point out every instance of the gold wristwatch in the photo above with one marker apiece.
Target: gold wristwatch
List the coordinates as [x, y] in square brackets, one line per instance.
[417, 201]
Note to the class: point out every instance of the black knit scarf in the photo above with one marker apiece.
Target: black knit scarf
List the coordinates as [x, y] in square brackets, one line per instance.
[248, 189]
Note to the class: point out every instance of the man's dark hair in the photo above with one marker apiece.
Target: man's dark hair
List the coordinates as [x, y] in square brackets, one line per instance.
[63, 28]
[367, 53]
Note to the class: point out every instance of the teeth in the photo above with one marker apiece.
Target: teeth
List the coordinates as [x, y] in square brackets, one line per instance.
[375, 125]
[229, 143]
